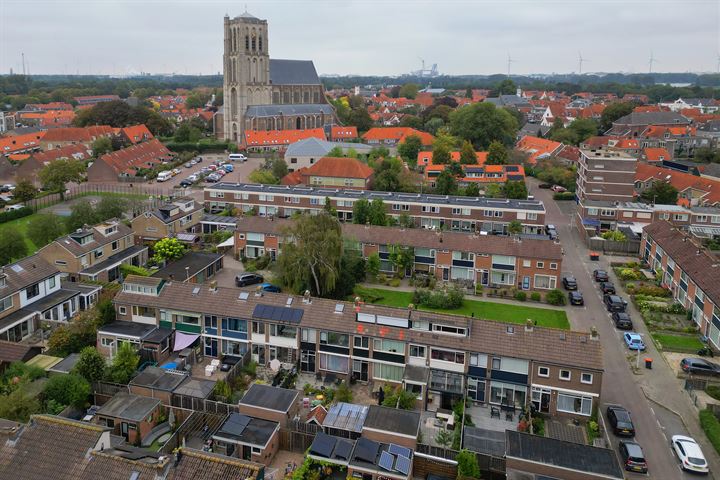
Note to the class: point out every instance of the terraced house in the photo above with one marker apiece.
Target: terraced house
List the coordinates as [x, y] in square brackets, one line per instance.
[95, 253]
[689, 270]
[488, 260]
[439, 357]
[179, 218]
[466, 214]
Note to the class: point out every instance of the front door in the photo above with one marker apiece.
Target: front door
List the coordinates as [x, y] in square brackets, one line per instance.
[446, 274]
[360, 370]
[124, 430]
[545, 402]
[211, 347]
[246, 452]
[485, 278]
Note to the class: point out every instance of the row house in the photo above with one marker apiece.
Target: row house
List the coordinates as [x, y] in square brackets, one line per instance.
[278, 140]
[681, 140]
[95, 253]
[692, 190]
[480, 175]
[332, 172]
[488, 260]
[633, 124]
[392, 136]
[31, 291]
[439, 357]
[690, 271]
[61, 137]
[468, 214]
[129, 162]
[172, 219]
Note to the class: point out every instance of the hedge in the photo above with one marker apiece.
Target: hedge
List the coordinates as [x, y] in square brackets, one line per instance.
[15, 214]
[201, 146]
[711, 426]
[564, 196]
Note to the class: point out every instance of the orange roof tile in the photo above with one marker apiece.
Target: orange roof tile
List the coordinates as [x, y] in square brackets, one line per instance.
[425, 158]
[79, 152]
[136, 133]
[262, 138]
[397, 134]
[78, 134]
[142, 155]
[343, 132]
[656, 154]
[339, 167]
[680, 180]
[19, 143]
[537, 147]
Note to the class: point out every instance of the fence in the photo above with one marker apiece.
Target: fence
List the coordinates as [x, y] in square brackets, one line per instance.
[487, 463]
[156, 192]
[104, 391]
[295, 441]
[203, 405]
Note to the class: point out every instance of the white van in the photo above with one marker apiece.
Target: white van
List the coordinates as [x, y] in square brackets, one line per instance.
[163, 176]
[237, 157]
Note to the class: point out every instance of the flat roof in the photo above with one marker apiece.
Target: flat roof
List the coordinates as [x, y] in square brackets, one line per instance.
[270, 398]
[113, 260]
[158, 379]
[482, 440]
[66, 364]
[195, 387]
[46, 362]
[245, 429]
[404, 422]
[195, 262]
[127, 406]
[387, 197]
[126, 329]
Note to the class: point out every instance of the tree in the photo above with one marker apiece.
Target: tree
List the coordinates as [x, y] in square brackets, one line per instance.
[187, 133]
[661, 193]
[19, 405]
[312, 261]
[409, 90]
[12, 246]
[614, 235]
[468, 92]
[402, 257]
[24, 191]
[68, 389]
[43, 229]
[515, 190]
[124, 364]
[74, 336]
[445, 184]
[614, 111]
[279, 168]
[409, 149]
[260, 175]
[120, 114]
[195, 101]
[343, 393]
[584, 128]
[467, 154]
[361, 211]
[91, 365]
[387, 175]
[497, 154]
[412, 121]
[328, 207]
[701, 154]
[101, 146]
[493, 191]
[472, 190]
[336, 152]
[168, 249]
[555, 297]
[81, 213]
[443, 438]
[360, 118]
[110, 207]
[378, 152]
[506, 87]
[481, 123]
[467, 464]
[515, 228]
[399, 398]
[406, 221]
[377, 212]
[106, 311]
[441, 154]
[433, 125]
[373, 264]
[56, 174]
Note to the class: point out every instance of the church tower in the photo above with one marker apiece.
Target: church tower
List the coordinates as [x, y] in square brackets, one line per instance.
[246, 71]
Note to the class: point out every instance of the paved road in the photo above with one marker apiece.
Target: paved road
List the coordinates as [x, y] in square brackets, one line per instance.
[654, 424]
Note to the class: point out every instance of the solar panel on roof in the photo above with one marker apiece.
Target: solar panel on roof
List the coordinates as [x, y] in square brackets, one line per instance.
[281, 314]
[402, 464]
[323, 445]
[343, 449]
[398, 450]
[386, 461]
[366, 450]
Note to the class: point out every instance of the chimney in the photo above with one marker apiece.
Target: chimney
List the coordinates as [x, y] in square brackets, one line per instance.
[529, 325]
[594, 333]
[213, 286]
[411, 307]
[306, 297]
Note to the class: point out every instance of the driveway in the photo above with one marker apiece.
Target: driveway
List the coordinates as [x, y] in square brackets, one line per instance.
[659, 406]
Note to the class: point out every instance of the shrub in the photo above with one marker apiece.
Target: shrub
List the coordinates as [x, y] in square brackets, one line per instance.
[447, 300]
[127, 269]
[555, 297]
[564, 196]
[467, 464]
[382, 278]
[395, 282]
[711, 426]
[67, 390]
[629, 274]
[15, 214]
[522, 296]
[535, 296]
[614, 235]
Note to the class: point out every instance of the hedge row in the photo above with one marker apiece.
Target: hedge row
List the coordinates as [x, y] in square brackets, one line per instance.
[202, 146]
[15, 214]
[711, 426]
[564, 196]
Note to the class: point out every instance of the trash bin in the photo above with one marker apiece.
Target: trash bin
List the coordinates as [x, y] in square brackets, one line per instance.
[648, 363]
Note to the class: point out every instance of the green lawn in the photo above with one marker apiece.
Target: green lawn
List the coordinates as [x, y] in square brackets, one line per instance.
[501, 312]
[20, 225]
[677, 343]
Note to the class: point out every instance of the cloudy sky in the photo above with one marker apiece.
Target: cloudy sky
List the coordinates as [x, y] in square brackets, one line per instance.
[370, 37]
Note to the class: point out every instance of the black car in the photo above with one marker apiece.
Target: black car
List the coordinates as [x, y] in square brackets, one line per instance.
[633, 458]
[545, 185]
[575, 298]
[185, 183]
[607, 288]
[699, 366]
[569, 283]
[614, 303]
[620, 421]
[601, 276]
[622, 321]
[245, 279]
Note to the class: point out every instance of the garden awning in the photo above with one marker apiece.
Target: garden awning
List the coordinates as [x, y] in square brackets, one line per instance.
[591, 222]
[184, 340]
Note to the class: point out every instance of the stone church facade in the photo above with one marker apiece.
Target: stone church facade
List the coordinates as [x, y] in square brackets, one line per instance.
[267, 94]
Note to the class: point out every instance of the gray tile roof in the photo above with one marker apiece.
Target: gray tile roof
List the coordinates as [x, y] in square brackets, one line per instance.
[310, 147]
[98, 239]
[387, 419]
[26, 272]
[127, 406]
[652, 118]
[293, 72]
[287, 109]
[114, 259]
[195, 262]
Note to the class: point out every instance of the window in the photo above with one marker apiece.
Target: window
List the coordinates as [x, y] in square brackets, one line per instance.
[417, 351]
[122, 310]
[210, 321]
[283, 331]
[553, 266]
[478, 360]
[388, 346]
[420, 325]
[565, 375]
[532, 216]
[309, 335]
[333, 338]
[51, 282]
[6, 303]
[496, 364]
[449, 329]
[236, 325]
[258, 328]
[540, 264]
[586, 378]
[545, 282]
[447, 356]
[430, 209]
[62, 263]
[99, 253]
[107, 342]
[527, 263]
[114, 245]
[574, 404]
[334, 363]
[393, 373]
[187, 319]
[32, 291]
[361, 342]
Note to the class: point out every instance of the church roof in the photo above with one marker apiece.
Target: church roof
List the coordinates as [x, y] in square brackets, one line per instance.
[288, 109]
[293, 72]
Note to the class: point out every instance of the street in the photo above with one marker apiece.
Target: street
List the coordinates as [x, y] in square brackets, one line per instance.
[651, 396]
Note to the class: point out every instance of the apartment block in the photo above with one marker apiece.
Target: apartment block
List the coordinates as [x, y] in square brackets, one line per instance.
[606, 174]
[467, 214]
[439, 357]
[487, 260]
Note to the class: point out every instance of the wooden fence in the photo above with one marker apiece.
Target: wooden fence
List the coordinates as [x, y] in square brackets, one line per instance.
[156, 192]
[104, 391]
[295, 441]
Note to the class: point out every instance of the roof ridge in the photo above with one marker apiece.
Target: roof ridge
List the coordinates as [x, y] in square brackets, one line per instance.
[63, 421]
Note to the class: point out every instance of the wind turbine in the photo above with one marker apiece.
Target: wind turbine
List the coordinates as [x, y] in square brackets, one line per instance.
[718, 63]
[580, 62]
[651, 61]
[509, 61]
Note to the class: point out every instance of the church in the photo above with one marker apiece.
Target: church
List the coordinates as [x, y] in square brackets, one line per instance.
[267, 94]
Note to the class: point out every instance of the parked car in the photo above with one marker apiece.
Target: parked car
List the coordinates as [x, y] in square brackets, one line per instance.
[185, 182]
[212, 178]
[622, 321]
[633, 457]
[690, 454]
[699, 366]
[600, 276]
[269, 287]
[205, 170]
[634, 341]
[545, 186]
[7, 188]
[614, 303]
[211, 167]
[245, 279]
[237, 156]
[176, 171]
[193, 161]
[194, 177]
[551, 231]
[620, 421]
[228, 167]
[569, 282]
[17, 206]
[607, 288]
[576, 298]
[558, 189]
[199, 159]
[188, 165]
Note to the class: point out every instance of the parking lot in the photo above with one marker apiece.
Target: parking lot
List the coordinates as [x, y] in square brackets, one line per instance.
[240, 172]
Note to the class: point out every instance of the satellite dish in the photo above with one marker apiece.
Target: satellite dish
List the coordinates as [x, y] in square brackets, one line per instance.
[275, 365]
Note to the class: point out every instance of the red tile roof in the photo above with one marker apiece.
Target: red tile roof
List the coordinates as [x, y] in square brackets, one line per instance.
[136, 133]
[680, 180]
[397, 134]
[656, 154]
[334, 167]
[425, 158]
[20, 143]
[260, 138]
[78, 152]
[49, 118]
[500, 171]
[49, 106]
[142, 155]
[537, 147]
[343, 133]
[659, 131]
[78, 134]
